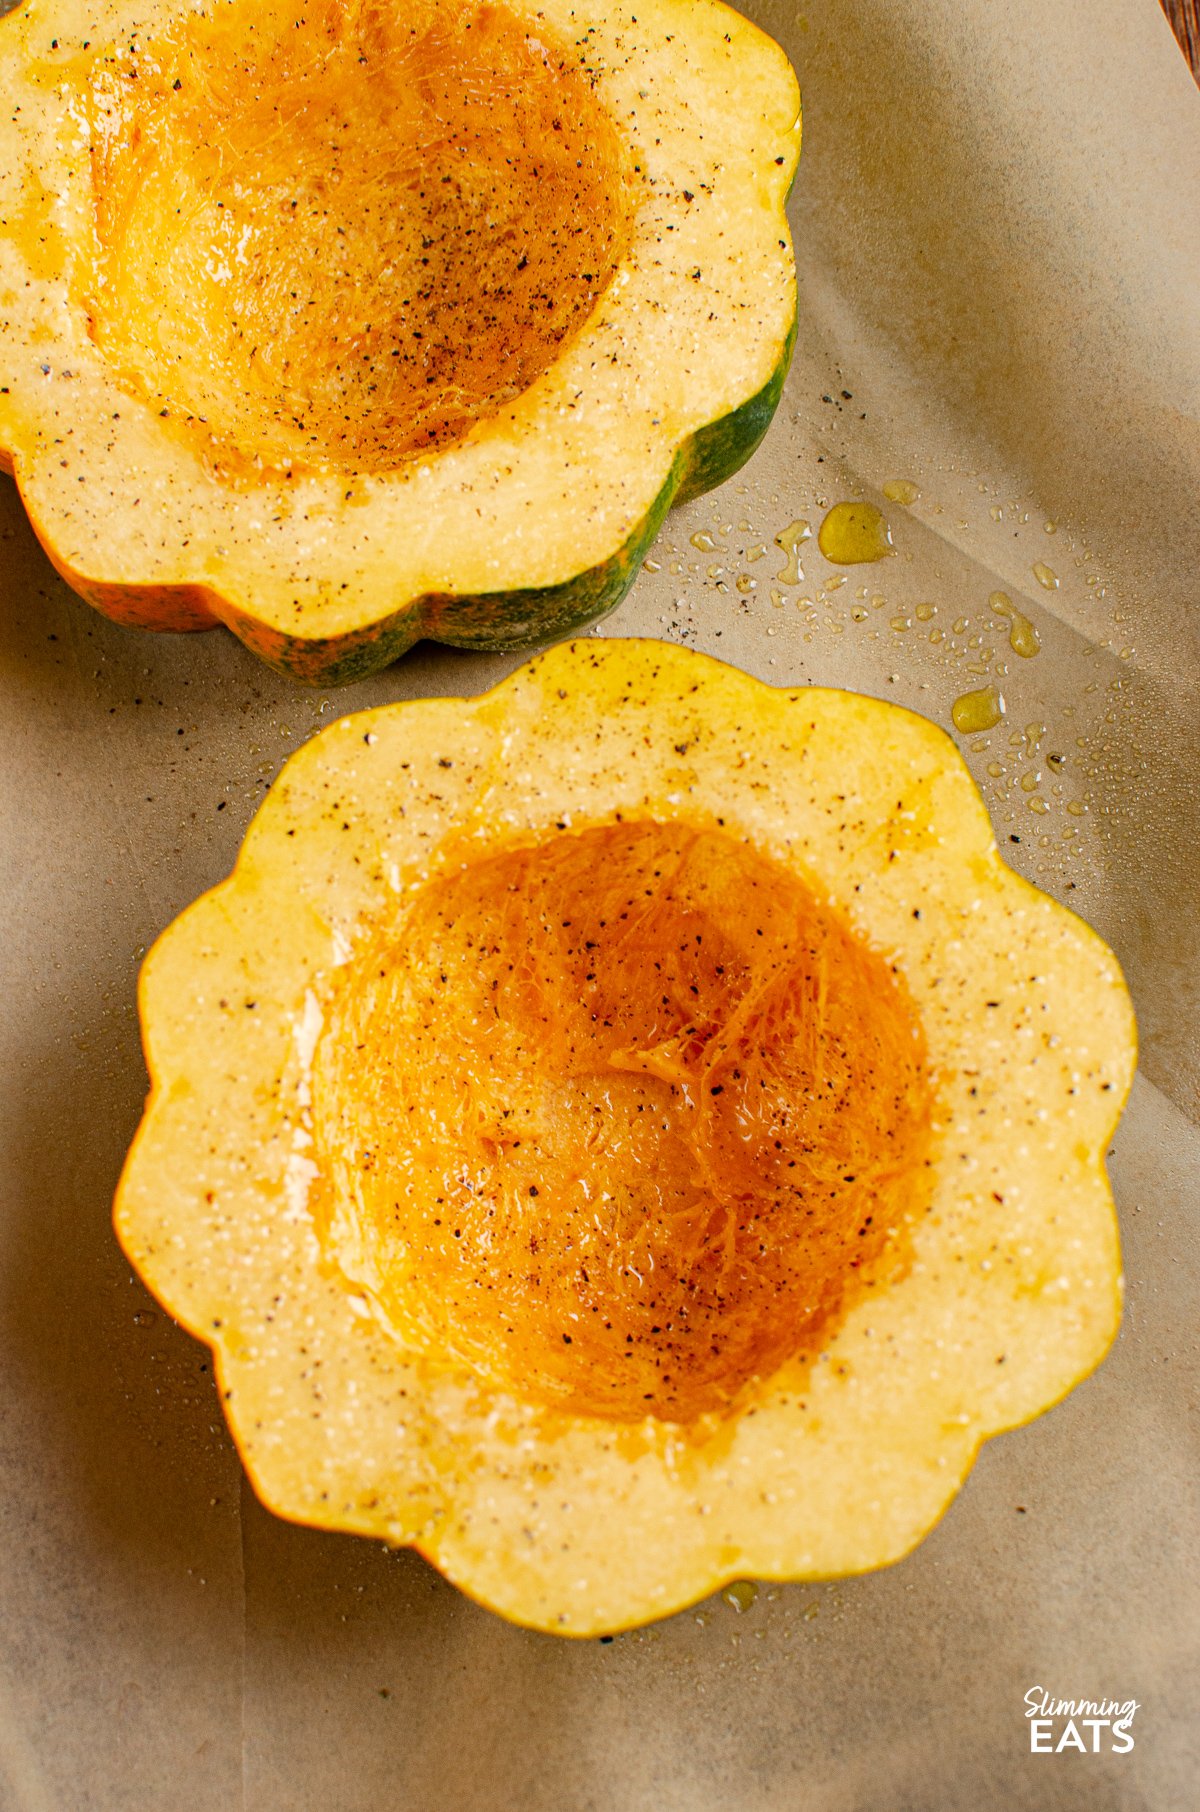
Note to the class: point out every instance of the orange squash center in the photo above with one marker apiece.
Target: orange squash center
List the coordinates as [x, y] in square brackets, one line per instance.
[345, 239]
[621, 1121]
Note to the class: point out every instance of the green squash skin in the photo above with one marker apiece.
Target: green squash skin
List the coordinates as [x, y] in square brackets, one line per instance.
[505, 622]
[493, 622]
[717, 451]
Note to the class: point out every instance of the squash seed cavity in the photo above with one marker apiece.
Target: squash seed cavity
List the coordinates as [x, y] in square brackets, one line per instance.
[620, 1122]
[346, 246]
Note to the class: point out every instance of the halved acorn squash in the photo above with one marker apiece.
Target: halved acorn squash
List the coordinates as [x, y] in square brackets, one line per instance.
[628, 1131]
[402, 318]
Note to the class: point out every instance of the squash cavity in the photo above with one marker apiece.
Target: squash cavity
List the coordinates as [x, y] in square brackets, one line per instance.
[620, 1120]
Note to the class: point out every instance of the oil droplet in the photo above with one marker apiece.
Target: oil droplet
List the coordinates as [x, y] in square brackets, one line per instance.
[1022, 636]
[652, 566]
[755, 553]
[996, 513]
[740, 1595]
[1050, 528]
[901, 490]
[791, 539]
[1038, 804]
[746, 584]
[925, 611]
[1045, 575]
[900, 623]
[976, 711]
[835, 583]
[704, 542]
[853, 533]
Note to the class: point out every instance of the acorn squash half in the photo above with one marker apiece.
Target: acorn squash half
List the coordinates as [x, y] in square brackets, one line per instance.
[406, 318]
[627, 1131]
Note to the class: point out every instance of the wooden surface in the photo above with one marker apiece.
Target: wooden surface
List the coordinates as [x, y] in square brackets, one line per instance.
[1185, 20]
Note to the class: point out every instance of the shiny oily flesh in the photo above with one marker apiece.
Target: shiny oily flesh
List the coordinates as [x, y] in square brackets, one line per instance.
[621, 1120]
[346, 246]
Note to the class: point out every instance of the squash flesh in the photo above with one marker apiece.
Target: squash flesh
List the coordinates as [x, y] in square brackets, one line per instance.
[1011, 1290]
[345, 246]
[621, 1121]
[526, 527]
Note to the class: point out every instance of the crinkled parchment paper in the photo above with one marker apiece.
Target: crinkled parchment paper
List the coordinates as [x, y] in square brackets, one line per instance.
[998, 227]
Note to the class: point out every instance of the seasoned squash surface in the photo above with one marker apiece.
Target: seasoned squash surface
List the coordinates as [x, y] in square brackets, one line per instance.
[346, 244]
[390, 319]
[621, 1119]
[629, 1131]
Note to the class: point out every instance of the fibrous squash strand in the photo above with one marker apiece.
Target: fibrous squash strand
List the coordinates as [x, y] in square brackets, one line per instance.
[346, 246]
[623, 1120]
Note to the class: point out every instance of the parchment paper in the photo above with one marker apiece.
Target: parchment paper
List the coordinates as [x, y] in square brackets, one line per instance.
[998, 229]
